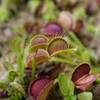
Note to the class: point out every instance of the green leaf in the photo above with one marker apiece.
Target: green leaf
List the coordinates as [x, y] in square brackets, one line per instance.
[2, 85]
[65, 84]
[70, 97]
[20, 64]
[33, 66]
[85, 96]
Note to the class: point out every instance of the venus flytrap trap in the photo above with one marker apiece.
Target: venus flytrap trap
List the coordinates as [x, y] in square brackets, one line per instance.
[38, 41]
[51, 29]
[40, 87]
[55, 46]
[82, 80]
[41, 56]
[60, 46]
[65, 19]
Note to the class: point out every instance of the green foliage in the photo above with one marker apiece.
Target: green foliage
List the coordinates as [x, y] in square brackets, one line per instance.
[82, 53]
[33, 66]
[5, 14]
[20, 63]
[85, 96]
[70, 97]
[17, 87]
[2, 85]
[65, 84]
[68, 61]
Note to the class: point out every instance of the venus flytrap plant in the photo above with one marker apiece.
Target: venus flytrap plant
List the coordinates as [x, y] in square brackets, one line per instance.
[82, 80]
[85, 56]
[60, 46]
[14, 76]
[13, 91]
